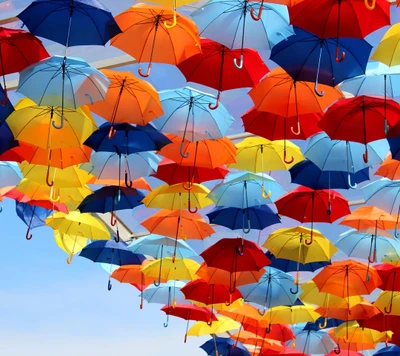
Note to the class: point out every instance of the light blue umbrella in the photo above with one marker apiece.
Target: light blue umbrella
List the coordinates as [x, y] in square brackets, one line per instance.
[63, 81]
[313, 342]
[230, 23]
[337, 155]
[384, 194]
[111, 165]
[10, 174]
[369, 246]
[244, 190]
[187, 114]
[271, 290]
[159, 246]
[165, 293]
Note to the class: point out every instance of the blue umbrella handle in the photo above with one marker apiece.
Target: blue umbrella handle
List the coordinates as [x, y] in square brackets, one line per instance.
[337, 350]
[112, 132]
[1, 208]
[240, 250]
[128, 183]
[258, 17]
[209, 134]
[322, 93]
[184, 155]
[368, 6]
[117, 238]
[90, 98]
[349, 182]
[343, 53]
[295, 291]
[240, 64]
[386, 127]
[27, 234]
[166, 323]
[109, 286]
[58, 127]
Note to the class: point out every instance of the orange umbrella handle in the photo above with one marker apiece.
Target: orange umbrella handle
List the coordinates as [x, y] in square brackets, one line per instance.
[372, 260]
[187, 187]
[262, 312]
[112, 132]
[27, 234]
[368, 6]
[145, 75]
[113, 220]
[343, 53]
[297, 133]
[365, 155]
[258, 17]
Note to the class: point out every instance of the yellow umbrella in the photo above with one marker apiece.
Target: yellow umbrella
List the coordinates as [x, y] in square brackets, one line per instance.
[352, 332]
[32, 124]
[174, 197]
[70, 177]
[388, 303]
[257, 154]
[388, 51]
[71, 197]
[75, 223]
[178, 269]
[70, 244]
[222, 307]
[223, 324]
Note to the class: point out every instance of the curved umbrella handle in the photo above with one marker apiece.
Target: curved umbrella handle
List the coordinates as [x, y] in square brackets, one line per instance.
[112, 132]
[190, 208]
[320, 94]
[27, 234]
[367, 277]
[343, 53]
[54, 200]
[240, 250]
[265, 196]
[240, 64]
[69, 258]
[248, 229]
[309, 242]
[185, 339]
[268, 329]
[157, 283]
[145, 75]
[1, 208]
[329, 211]
[337, 349]
[166, 323]
[388, 311]
[187, 187]
[167, 25]
[141, 303]
[183, 155]
[262, 313]
[58, 127]
[4, 101]
[372, 260]
[128, 183]
[113, 220]
[295, 291]
[285, 158]
[252, 11]
[349, 182]
[297, 133]
[50, 184]
[386, 127]
[209, 323]
[90, 98]
[368, 6]
[116, 237]
[109, 286]
[365, 155]
[323, 326]
[215, 106]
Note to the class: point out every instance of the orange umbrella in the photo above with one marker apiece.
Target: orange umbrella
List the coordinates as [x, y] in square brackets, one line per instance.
[139, 183]
[247, 337]
[128, 100]
[349, 346]
[390, 168]
[179, 224]
[146, 38]
[204, 153]
[218, 276]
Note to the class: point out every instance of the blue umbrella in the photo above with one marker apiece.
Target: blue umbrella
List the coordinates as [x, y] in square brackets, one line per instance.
[7, 140]
[291, 266]
[224, 347]
[308, 174]
[32, 215]
[313, 342]
[112, 253]
[127, 139]
[224, 21]
[392, 350]
[337, 155]
[384, 194]
[259, 217]
[394, 144]
[63, 81]
[165, 293]
[7, 109]
[316, 325]
[315, 58]
[70, 22]
[273, 289]
[187, 113]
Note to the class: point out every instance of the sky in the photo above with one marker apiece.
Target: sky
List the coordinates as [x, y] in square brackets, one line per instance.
[51, 308]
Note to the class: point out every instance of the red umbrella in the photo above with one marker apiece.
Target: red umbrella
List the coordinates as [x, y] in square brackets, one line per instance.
[189, 312]
[285, 351]
[339, 18]
[172, 173]
[308, 205]
[276, 127]
[361, 119]
[381, 322]
[215, 68]
[278, 332]
[18, 50]
[345, 353]
[390, 276]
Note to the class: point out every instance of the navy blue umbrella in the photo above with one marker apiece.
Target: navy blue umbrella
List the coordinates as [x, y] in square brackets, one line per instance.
[255, 217]
[291, 266]
[7, 109]
[308, 174]
[32, 215]
[70, 22]
[7, 140]
[393, 350]
[112, 253]
[126, 139]
[320, 323]
[315, 58]
[394, 144]
[225, 347]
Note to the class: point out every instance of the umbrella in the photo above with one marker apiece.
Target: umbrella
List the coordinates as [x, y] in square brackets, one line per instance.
[392, 350]
[389, 168]
[10, 174]
[128, 100]
[362, 311]
[8, 108]
[313, 342]
[215, 68]
[155, 42]
[231, 16]
[13, 59]
[223, 324]
[386, 50]
[187, 114]
[224, 346]
[70, 244]
[32, 215]
[169, 293]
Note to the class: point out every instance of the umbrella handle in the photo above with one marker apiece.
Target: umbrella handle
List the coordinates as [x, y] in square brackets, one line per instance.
[372, 260]
[265, 196]
[349, 182]
[329, 211]
[337, 349]
[386, 127]
[183, 155]
[240, 251]
[145, 75]
[209, 323]
[389, 310]
[246, 231]
[368, 6]
[113, 220]
[117, 238]
[240, 64]
[252, 11]
[1, 208]
[365, 155]
[297, 133]
[166, 323]
[141, 303]
[167, 25]
[325, 323]
[27, 234]
[54, 200]
[262, 313]
[343, 53]
[185, 339]
[5, 100]
[285, 158]
[367, 277]
[109, 286]
[187, 187]
[309, 242]
[268, 329]
[50, 184]
[296, 291]
[128, 183]
[215, 106]
[58, 127]
[69, 258]
[90, 98]
[322, 93]
[112, 132]
[190, 208]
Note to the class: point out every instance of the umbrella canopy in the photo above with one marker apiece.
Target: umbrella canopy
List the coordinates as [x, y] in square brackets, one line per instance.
[387, 48]
[314, 342]
[221, 325]
[224, 346]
